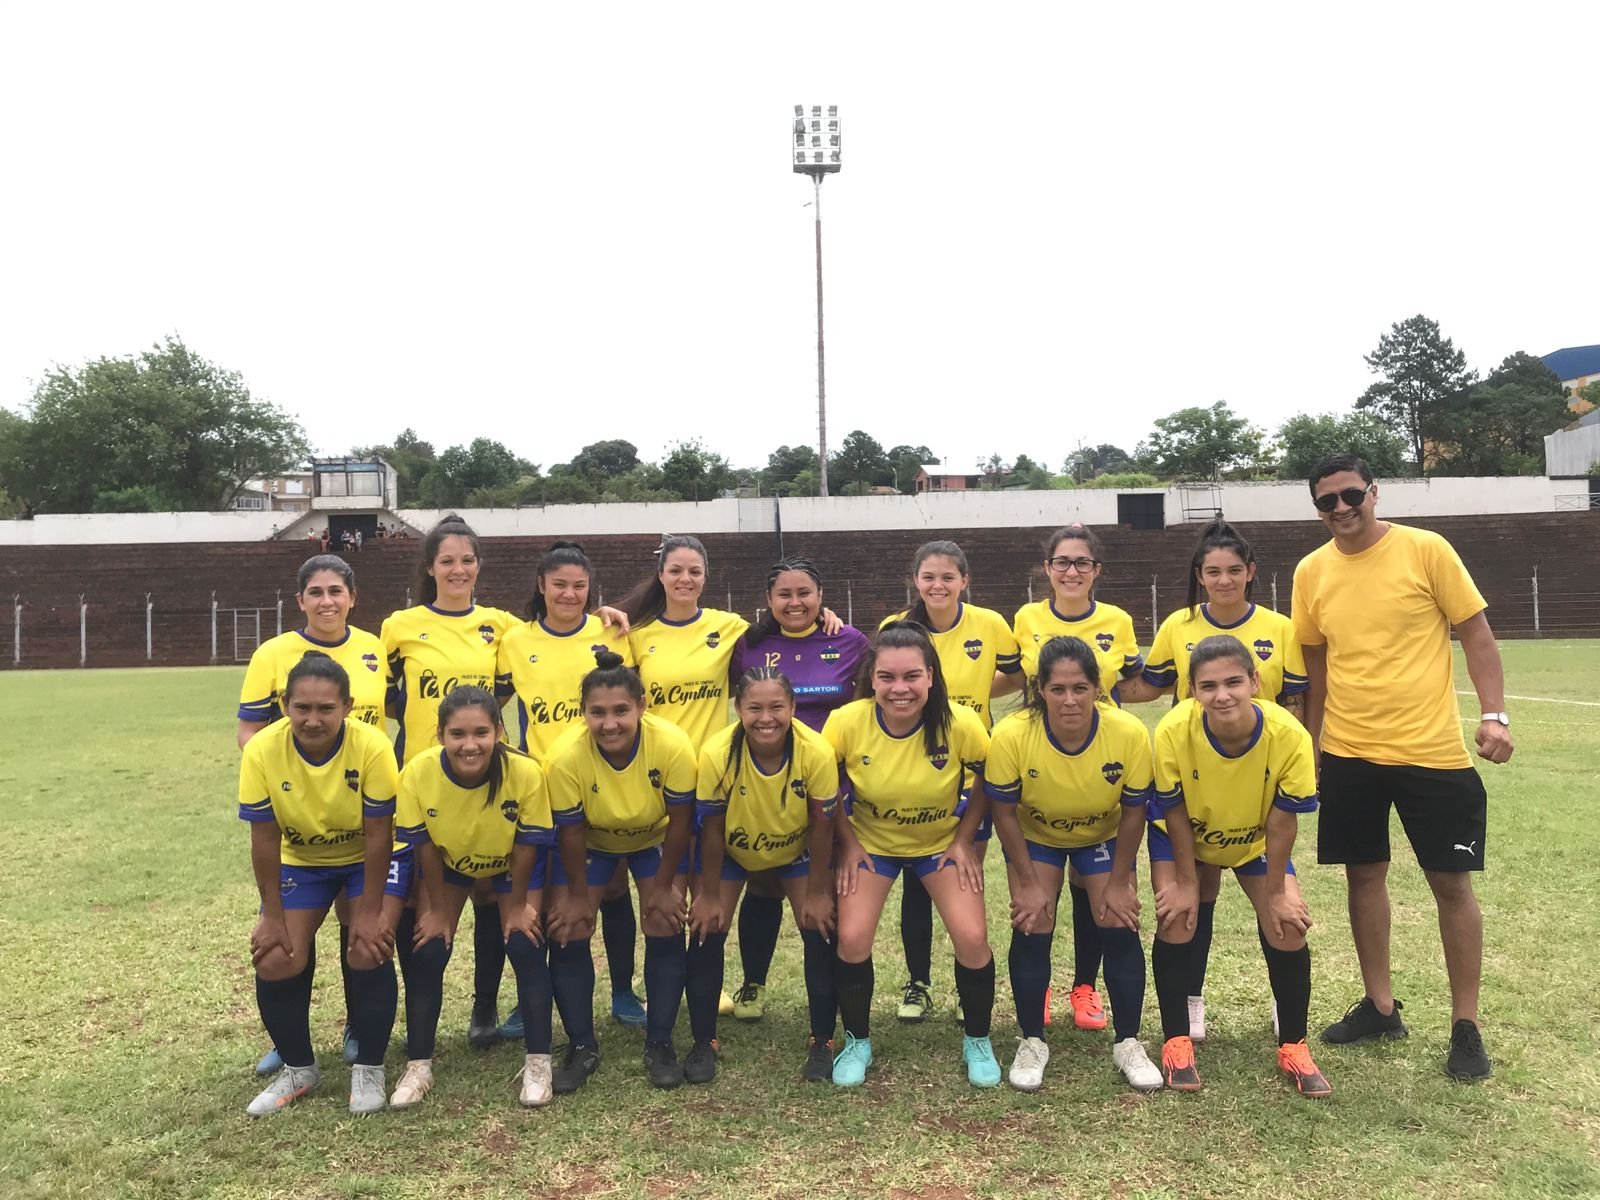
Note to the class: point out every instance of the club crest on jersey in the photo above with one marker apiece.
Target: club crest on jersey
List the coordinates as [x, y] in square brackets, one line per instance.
[973, 647]
[940, 757]
[1103, 640]
[655, 777]
[370, 662]
[713, 639]
[352, 780]
[1112, 771]
[1263, 649]
[828, 655]
[508, 809]
[486, 632]
[798, 787]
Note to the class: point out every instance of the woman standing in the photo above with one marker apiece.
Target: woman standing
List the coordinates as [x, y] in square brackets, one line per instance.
[908, 753]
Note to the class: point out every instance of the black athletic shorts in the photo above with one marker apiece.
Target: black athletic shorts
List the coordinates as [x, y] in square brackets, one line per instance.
[1445, 813]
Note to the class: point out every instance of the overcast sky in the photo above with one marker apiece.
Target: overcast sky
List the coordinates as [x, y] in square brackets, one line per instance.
[553, 224]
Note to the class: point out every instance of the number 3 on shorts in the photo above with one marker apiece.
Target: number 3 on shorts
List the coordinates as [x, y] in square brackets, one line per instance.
[394, 871]
[1102, 853]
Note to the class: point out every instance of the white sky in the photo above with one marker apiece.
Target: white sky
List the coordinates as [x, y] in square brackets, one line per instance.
[553, 224]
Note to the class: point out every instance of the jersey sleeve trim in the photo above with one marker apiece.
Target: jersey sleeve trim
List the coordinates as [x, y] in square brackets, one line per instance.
[1165, 798]
[258, 811]
[376, 810]
[264, 710]
[675, 798]
[412, 835]
[1295, 804]
[1161, 674]
[533, 835]
[568, 816]
[1005, 793]
[1137, 797]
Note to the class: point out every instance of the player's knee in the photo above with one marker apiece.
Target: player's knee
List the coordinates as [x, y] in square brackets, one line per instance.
[1286, 940]
[277, 966]
[1450, 887]
[1174, 933]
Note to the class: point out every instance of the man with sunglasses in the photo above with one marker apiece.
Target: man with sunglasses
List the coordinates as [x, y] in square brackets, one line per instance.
[1374, 609]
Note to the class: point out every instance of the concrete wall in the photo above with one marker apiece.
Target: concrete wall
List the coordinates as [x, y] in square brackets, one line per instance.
[98, 529]
[1573, 451]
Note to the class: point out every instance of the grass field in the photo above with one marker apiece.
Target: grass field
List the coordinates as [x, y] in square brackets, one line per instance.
[130, 1028]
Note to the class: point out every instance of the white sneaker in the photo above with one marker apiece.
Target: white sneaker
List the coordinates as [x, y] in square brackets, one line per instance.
[287, 1086]
[1274, 1018]
[414, 1084]
[1197, 1019]
[1135, 1065]
[367, 1093]
[1027, 1068]
[537, 1087]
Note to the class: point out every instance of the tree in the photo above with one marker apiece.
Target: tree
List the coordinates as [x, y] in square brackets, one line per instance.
[1304, 441]
[486, 466]
[691, 472]
[1585, 398]
[995, 472]
[1421, 370]
[410, 456]
[1201, 443]
[1025, 473]
[861, 461]
[600, 462]
[784, 467]
[905, 462]
[1497, 429]
[645, 483]
[163, 430]
[1086, 462]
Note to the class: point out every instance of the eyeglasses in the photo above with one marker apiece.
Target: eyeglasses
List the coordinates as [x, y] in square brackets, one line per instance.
[1353, 497]
[1081, 565]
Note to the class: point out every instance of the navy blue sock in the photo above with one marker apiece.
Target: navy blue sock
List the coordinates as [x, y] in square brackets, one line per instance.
[371, 1001]
[1171, 964]
[1086, 949]
[1290, 974]
[572, 980]
[916, 927]
[822, 1000]
[619, 930]
[853, 985]
[704, 985]
[1203, 922]
[1029, 963]
[665, 966]
[488, 956]
[532, 970]
[1125, 980]
[425, 996]
[285, 1007]
[760, 922]
[975, 986]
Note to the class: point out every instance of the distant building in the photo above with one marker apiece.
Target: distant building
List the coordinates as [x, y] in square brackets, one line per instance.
[1576, 366]
[288, 493]
[932, 477]
[1574, 452]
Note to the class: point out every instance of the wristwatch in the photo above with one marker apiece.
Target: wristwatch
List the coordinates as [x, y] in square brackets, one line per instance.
[1499, 717]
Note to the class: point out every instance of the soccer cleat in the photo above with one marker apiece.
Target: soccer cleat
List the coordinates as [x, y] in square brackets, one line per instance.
[749, 1002]
[1197, 1019]
[725, 1005]
[819, 1061]
[415, 1083]
[1087, 1011]
[271, 1062]
[1362, 1022]
[577, 1065]
[916, 1002]
[662, 1063]
[983, 1070]
[286, 1087]
[1027, 1068]
[351, 1050]
[626, 1010]
[537, 1085]
[483, 1030]
[700, 1064]
[1294, 1060]
[1177, 1065]
[1049, 996]
[1142, 1075]
[367, 1093]
[511, 1028]
[850, 1068]
[1468, 1059]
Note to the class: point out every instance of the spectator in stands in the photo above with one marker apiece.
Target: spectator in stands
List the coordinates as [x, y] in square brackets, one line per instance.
[325, 539]
[358, 541]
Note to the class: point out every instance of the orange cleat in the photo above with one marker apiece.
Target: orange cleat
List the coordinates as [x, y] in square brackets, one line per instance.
[1087, 1011]
[1294, 1060]
[1177, 1065]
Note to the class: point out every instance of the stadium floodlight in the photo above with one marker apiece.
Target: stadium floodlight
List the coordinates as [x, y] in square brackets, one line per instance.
[816, 149]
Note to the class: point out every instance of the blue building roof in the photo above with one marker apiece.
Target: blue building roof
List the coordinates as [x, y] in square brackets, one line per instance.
[1573, 362]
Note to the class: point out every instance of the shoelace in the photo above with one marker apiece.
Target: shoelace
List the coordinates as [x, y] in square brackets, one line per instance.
[1471, 1039]
[1298, 1058]
[917, 994]
[746, 994]
[1029, 1053]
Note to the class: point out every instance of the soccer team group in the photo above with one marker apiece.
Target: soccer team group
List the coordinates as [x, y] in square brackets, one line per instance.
[853, 762]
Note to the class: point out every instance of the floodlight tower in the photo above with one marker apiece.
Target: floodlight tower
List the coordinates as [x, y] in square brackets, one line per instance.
[816, 153]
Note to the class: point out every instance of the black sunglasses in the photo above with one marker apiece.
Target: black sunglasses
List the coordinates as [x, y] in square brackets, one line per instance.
[1353, 497]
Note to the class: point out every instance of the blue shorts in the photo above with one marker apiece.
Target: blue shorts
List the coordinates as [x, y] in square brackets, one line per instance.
[1085, 860]
[1161, 851]
[602, 865]
[985, 827]
[502, 882]
[316, 887]
[890, 865]
[798, 869]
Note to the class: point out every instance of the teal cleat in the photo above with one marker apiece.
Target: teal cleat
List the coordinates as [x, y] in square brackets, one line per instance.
[850, 1068]
[982, 1068]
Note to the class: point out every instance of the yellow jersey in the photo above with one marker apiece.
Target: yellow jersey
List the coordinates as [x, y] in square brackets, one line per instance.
[1385, 616]
[432, 652]
[545, 671]
[625, 809]
[684, 667]
[768, 816]
[1268, 635]
[1106, 628]
[1070, 798]
[970, 652]
[319, 806]
[473, 836]
[1229, 796]
[358, 652]
[905, 802]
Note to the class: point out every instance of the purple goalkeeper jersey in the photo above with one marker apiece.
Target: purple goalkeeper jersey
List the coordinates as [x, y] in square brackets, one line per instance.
[821, 668]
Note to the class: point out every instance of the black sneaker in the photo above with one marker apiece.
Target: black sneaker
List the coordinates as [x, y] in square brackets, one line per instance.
[1468, 1059]
[1363, 1022]
[819, 1062]
[483, 1030]
[662, 1063]
[700, 1065]
[579, 1063]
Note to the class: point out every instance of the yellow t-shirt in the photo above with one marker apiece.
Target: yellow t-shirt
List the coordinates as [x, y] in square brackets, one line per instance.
[1228, 796]
[970, 652]
[431, 653]
[359, 653]
[905, 802]
[1107, 629]
[625, 810]
[319, 806]
[545, 671]
[1070, 798]
[1385, 615]
[768, 816]
[1268, 635]
[474, 837]
[684, 667]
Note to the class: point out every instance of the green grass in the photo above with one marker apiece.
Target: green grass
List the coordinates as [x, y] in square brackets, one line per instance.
[130, 1028]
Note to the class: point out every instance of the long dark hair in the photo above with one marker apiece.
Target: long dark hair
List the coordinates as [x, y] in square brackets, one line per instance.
[1078, 533]
[471, 696]
[324, 562]
[449, 525]
[909, 635]
[768, 625]
[1218, 535]
[609, 671]
[735, 759]
[648, 599]
[918, 612]
[314, 664]
[1060, 649]
[561, 554]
